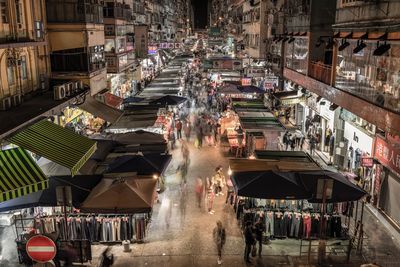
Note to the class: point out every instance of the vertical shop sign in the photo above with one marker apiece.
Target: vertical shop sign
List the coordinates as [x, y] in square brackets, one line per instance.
[387, 154]
[378, 182]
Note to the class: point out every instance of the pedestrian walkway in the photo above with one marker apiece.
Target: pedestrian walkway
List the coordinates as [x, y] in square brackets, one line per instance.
[180, 233]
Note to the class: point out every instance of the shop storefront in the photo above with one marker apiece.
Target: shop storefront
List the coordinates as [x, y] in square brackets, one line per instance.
[359, 144]
[385, 186]
[318, 125]
[120, 85]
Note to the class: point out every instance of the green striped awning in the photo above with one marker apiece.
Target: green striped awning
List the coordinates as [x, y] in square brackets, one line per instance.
[57, 144]
[19, 174]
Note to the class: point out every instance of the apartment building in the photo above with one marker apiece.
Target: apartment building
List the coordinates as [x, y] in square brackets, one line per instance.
[24, 65]
[119, 47]
[76, 39]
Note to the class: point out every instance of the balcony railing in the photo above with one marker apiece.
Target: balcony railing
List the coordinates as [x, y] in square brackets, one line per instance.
[320, 72]
[22, 36]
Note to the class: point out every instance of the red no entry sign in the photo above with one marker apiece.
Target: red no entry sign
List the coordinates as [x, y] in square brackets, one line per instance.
[41, 249]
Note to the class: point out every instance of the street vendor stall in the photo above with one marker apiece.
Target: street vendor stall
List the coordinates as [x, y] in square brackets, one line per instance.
[290, 188]
[247, 103]
[262, 130]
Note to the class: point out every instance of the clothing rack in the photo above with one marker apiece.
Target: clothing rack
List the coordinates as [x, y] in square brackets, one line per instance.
[107, 228]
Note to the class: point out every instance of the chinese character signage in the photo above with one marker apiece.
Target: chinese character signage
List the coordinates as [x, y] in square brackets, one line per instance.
[387, 154]
[367, 162]
[270, 82]
[152, 50]
[246, 81]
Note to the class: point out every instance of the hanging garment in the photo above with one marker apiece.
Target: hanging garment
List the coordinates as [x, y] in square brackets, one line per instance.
[307, 226]
[315, 226]
[269, 223]
[295, 226]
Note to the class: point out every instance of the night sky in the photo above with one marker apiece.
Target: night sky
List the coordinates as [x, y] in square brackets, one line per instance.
[200, 13]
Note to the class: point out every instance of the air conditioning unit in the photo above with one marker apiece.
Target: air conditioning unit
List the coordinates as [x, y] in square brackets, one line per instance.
[59, 92]
[16, 100]
[5, 103]
[69, 89]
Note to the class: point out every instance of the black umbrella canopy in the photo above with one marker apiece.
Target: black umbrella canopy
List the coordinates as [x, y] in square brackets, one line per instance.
[169, 100]
[269, 185]
[133, 99]
[81, 185]
[149, 164]
[251, 89]
[342, 190]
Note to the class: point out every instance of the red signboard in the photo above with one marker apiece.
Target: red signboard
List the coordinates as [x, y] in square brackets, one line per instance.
[113, 100]
[41, 249]
[387, 154]
[246, 81]
[367, 162]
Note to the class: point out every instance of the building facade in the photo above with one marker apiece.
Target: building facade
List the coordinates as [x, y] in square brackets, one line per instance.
[346, 68]
[24, 62]
[76, 38]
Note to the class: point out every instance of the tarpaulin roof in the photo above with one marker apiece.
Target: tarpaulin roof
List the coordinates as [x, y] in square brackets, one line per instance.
[149, 164]
[169, 100]
[133, 99]
[132, 121]
[139, 137]
[101, 110]
[127, 195]
[56, 143]
[229, 89]
[342, 189]
[269, 185]
[251, 89]
[290, 179]
[80, 189]
[244, 165]
[283, 155]
[19, 174]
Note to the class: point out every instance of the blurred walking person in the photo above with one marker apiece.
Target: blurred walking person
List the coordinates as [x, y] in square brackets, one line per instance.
[210, 195]
[187, 129]
[178, 127]
[249, 240]
[219, 236]
[199, 189]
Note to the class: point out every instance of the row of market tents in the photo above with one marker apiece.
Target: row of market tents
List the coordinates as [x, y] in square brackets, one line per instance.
[89, 167]
[116, 172]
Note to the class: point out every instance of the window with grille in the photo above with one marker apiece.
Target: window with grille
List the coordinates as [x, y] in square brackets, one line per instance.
[18, 11]
[3, 11]
[24, 71]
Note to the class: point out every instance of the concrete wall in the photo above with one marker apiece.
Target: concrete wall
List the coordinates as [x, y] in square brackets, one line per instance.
[69, 36]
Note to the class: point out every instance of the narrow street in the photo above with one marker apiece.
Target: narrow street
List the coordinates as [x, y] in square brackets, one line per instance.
[180, 233]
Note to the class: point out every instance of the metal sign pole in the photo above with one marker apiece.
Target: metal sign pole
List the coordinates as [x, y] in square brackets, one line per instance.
[65, 212]
[322, 242]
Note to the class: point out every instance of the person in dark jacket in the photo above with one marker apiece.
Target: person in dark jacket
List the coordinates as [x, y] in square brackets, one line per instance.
[249, 240]
[259, 229]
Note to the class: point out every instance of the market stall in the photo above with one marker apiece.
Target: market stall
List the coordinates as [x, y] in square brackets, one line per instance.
[247, 104]
[289, 188]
